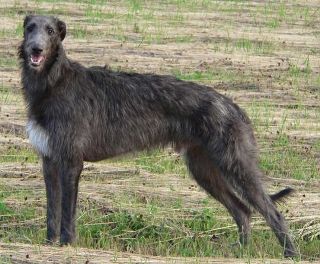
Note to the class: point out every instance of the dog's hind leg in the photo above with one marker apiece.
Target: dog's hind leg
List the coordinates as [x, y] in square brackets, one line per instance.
[235, 155]
[69, 173]
[210, 178]
[252, 190]
[53, 191]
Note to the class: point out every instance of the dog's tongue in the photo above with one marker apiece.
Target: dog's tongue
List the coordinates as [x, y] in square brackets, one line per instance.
[36, 59]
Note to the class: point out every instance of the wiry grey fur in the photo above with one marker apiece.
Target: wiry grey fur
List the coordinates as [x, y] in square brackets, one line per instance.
[90, 114]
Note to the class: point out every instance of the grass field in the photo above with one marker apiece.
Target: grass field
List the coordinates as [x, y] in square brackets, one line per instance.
[145, 207]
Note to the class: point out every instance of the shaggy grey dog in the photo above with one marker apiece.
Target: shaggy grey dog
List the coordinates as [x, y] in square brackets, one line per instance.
[81, 114]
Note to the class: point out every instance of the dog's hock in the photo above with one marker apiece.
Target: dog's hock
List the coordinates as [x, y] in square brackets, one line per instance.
[38, 138]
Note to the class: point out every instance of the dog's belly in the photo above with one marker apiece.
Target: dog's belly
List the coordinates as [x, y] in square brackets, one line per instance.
[101, 152]
[38, 138]
[104, 148]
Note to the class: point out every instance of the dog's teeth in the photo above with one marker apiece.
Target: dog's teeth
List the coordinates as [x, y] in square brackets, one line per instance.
[36, 59]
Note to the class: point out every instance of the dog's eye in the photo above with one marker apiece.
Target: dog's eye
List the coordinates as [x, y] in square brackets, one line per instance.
[50, 31]
[30, 28]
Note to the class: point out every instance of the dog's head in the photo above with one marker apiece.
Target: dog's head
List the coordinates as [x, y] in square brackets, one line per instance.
[42, 40]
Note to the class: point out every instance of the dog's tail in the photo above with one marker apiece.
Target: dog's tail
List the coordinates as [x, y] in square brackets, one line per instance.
[281, 195]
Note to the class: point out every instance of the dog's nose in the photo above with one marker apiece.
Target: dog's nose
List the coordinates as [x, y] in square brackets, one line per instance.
[37, 50]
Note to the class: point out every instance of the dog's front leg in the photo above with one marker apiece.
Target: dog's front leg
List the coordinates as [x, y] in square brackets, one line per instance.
[69, 174]
[53, 190]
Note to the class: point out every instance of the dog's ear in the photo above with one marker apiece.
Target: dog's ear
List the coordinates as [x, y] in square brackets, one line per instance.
[62, 29]
[26, 20]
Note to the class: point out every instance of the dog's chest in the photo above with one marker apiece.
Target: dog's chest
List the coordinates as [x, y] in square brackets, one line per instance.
[38, 137]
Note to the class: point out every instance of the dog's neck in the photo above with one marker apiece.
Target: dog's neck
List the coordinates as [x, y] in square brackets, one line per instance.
[37, 86]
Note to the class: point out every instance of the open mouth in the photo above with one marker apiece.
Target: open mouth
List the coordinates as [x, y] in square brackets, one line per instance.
[36, 59]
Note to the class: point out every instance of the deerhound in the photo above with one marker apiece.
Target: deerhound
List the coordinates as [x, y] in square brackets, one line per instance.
[78, 114]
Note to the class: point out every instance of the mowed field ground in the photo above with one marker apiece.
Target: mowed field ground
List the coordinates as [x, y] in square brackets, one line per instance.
[145, 207]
